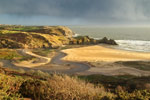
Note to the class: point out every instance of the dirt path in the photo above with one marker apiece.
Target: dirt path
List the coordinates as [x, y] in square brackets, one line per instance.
[32, 63]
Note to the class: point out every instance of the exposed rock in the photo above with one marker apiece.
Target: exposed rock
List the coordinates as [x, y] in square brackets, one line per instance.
[93, 41]
[112, 42]
[81, 40]
[6, 43]
[108, 41]
[85, 40]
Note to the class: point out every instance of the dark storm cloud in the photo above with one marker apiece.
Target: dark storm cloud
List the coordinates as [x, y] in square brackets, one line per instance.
[76, 11]
[44, 7]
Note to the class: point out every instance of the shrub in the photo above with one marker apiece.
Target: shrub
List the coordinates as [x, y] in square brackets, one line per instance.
[62, 88]
[9, 87]
[136, 95]
[35, 89]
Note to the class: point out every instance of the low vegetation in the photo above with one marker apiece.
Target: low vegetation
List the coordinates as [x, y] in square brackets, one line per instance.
[13, 36]
[38, 85]
[124, 82]
[9, 54]
[44, 52]
[142, 65]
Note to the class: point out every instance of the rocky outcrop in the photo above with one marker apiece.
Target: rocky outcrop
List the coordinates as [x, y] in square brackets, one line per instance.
[6, 43]
[85, 40]
[105, 40]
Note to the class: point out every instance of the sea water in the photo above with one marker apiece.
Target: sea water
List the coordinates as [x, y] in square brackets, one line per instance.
[128, 38]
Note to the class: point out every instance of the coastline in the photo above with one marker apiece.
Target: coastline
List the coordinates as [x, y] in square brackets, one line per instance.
[101, 53]
[108, 61]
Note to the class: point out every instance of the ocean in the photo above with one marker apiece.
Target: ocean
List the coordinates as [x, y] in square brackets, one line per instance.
[128, 38]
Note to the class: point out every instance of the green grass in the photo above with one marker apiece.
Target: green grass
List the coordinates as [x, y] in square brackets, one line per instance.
[43, 52]
[9, 54]
[25, 58]
[128, 82]
[142, 65]
[9, 87]
[12, 54]
[8, 32]
[26, 28]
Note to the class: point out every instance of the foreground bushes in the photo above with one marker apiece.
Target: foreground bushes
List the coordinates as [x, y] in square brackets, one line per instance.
[35, 89]
[136, 95]
[61, 88]
[14, 86]
[67, 88]
[9, 87]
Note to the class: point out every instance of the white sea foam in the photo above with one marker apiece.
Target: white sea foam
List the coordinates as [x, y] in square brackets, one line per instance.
[75, 35]
[128, 38]
[134, 45]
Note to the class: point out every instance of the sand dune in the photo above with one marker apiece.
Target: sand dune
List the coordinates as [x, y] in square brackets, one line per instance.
[100, 53]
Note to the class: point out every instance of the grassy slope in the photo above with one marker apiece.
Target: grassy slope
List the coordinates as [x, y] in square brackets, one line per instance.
[12, 36]
[9, 54]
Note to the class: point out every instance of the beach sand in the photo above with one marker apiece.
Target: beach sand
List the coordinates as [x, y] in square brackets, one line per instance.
[100, 53]
[105, 61]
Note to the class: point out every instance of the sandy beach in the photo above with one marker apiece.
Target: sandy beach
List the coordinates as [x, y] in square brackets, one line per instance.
[107, 61]
[100, 53]
[101, 60]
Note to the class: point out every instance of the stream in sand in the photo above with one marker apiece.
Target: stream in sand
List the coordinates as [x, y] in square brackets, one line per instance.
[79, 67]
[74, 67]
[27, 65]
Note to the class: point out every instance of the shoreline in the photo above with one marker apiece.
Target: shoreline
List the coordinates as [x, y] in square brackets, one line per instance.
[89, 67]
[110, 66]
[103, 53]
[140, 46]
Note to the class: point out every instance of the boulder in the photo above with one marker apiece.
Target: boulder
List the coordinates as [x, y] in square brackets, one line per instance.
[112, 42]
[105, 40]
[83, 40]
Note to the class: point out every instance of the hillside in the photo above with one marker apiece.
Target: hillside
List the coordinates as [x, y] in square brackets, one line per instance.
[13, 36]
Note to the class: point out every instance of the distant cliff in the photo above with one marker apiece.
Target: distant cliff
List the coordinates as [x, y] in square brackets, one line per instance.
[14, 36]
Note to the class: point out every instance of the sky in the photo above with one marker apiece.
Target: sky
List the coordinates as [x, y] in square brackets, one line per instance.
[75, 12]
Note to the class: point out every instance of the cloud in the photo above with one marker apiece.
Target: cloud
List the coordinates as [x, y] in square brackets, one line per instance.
[75, 11]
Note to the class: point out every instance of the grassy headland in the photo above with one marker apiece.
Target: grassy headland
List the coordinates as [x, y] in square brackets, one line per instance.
[14, 36]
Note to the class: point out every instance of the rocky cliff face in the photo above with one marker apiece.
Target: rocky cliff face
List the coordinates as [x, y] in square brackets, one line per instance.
[12, 36]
